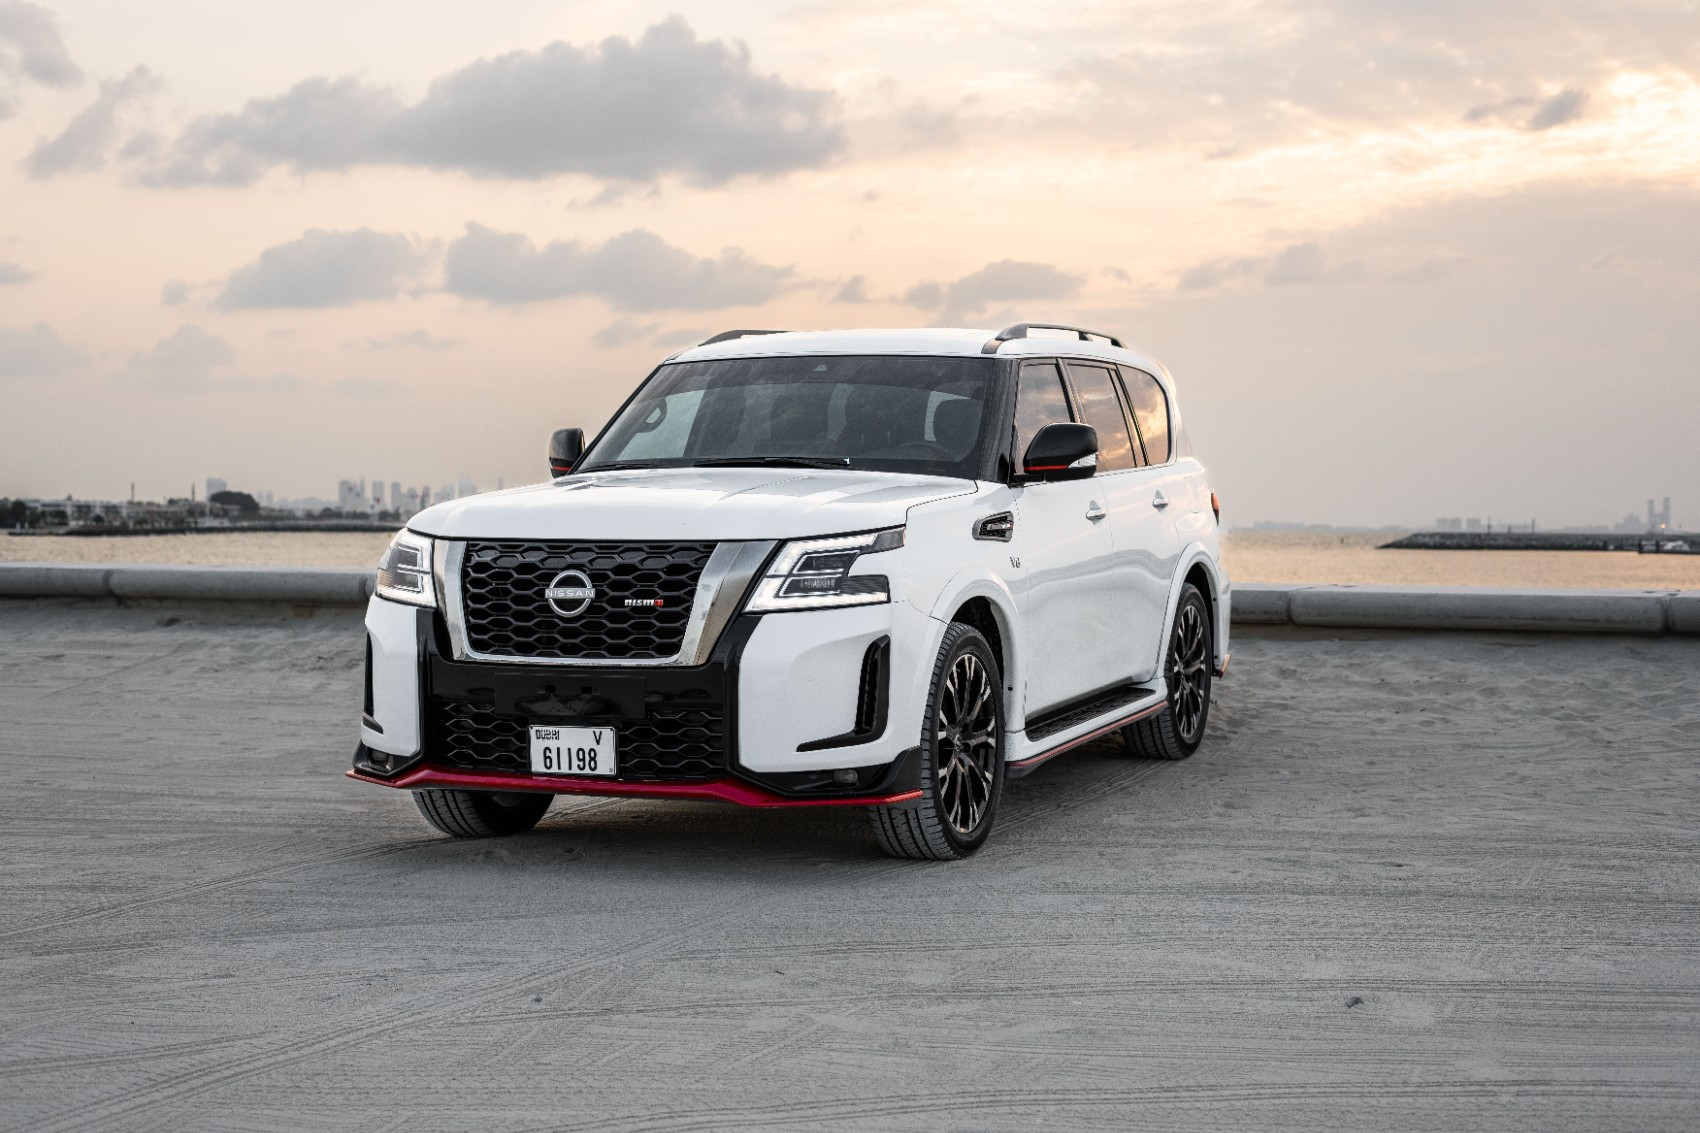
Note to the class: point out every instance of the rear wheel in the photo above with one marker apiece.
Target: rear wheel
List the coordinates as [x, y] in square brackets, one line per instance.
[1176, 731]
[962, 757]
[482, 814]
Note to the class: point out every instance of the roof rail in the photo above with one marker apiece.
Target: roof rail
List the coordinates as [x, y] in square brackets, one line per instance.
[1019, 330]
[729, 335]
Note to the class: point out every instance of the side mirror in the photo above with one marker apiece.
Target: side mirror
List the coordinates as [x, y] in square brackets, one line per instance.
[1062, 452]
[565, 447]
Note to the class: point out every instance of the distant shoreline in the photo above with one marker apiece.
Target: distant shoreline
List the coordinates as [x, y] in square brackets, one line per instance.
[1538, 541]
[268, 528]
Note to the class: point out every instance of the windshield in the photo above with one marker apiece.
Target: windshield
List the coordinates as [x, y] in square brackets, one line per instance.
[885, 413]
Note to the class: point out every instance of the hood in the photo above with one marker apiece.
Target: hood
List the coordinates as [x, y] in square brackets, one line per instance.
[690, 504]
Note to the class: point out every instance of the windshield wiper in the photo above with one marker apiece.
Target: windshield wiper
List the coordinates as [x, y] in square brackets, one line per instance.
[774, 462]
[619, 466]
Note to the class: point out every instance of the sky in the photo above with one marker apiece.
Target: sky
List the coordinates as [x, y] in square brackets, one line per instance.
[1405, 258]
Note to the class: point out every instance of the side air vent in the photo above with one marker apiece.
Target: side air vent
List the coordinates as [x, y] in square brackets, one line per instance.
[873, 698]
[999, 528]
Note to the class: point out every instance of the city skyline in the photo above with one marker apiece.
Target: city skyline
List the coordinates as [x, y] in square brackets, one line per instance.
[1432, 257]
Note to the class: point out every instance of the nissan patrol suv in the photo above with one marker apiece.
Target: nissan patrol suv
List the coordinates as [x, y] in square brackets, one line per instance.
[891, 569]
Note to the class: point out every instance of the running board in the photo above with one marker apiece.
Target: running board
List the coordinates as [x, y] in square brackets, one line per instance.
[1072, 715]
[1027, 766]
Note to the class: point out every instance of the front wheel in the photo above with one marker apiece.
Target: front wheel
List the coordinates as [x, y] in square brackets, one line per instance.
[1176, 731]
[962, 757]
[482, 814]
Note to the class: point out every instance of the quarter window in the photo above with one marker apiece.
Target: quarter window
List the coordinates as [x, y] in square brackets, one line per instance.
[1151, 409]
[1039, 401]
[1102, 409]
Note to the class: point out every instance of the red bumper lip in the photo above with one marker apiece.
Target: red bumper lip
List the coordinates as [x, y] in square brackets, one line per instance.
[722, 790]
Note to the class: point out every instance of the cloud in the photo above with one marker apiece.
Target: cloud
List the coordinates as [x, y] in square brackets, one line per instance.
[409, 340]
[325, 269]
[623, 332]
[1005, 281]
[1533, 114]
[190, 350]
[852, 290]
[31, 50]
[36, 352]
[634, 271]
[623, 111]
[88, 141]
[1564, 107]
[1233, 78]
[318, 124]
[365, 388]
[174, 293]
[1295, 264]
[11, 274]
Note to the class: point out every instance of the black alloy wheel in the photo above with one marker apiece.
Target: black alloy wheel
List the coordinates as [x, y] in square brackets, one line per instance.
[482, 814]
[962, 762]
[1176, 731]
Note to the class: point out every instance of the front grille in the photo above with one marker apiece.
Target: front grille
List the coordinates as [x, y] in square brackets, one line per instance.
[669, 745]
[507, 615]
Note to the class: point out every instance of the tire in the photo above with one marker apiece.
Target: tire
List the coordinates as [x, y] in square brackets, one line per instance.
[482, 814]
[1176, 731]
[961, 783]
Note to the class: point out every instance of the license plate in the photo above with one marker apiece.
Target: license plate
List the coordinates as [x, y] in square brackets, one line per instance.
[572, 751]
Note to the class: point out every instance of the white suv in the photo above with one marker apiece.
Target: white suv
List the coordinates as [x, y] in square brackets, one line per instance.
[876, 568]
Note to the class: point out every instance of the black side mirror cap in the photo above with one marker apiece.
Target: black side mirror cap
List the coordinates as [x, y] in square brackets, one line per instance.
[565, 447]
[1062, 451]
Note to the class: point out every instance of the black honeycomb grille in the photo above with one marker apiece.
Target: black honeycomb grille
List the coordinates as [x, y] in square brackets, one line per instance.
[507, 615]
[669, 745]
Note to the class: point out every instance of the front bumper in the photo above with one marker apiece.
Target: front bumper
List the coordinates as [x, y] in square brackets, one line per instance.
[685, 732]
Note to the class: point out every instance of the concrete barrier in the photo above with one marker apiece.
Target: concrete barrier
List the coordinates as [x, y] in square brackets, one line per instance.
[1480, 608]
[1649, 612]
[1262, 603]
[297, 586]
[1683, 613]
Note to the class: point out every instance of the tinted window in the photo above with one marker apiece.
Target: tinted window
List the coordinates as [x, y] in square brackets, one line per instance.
[881, 412]
[1151, 410]
[1101, 408]
[1039, 401]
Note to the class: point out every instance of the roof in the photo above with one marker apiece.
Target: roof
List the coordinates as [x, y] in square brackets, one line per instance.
[912, 340]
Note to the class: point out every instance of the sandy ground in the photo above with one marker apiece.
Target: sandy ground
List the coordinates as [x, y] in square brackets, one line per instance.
[1412, 882]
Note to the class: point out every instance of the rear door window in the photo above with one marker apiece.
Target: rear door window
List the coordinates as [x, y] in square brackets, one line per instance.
[1040, 400]
[1101, 408]
[1151, 409]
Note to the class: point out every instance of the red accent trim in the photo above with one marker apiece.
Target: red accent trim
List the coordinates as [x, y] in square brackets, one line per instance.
[725, 790]
[1033, 761]
[1046, 467]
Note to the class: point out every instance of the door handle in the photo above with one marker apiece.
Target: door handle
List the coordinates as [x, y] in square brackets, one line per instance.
[1094, 512]
[1159, 501]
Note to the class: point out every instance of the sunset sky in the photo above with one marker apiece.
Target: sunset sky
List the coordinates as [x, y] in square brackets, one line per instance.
[1406, 258]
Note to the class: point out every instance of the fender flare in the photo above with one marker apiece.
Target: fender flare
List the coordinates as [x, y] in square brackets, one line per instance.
[1219, 596]
[979, 582]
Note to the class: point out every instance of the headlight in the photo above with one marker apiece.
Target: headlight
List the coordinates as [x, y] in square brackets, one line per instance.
[404, 573]
[814, 574]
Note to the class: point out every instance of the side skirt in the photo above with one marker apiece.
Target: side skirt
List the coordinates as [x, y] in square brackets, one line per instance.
[1027, 766]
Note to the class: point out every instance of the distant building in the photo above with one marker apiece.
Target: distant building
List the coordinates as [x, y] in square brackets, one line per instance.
[467, 488]
[216, 485]
[1449, 523]
[1658, 519]
[1472, 525]
[351, 495]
